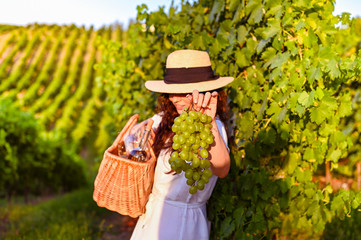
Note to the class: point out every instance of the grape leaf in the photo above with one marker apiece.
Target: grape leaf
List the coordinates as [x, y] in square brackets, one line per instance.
[303, 98]
[345, 108]
[335, 155]
[324, 111]
[241, 34]
[273, 28]
[309, 155]
[274, 109]
[227, 227]
[319, 93]
[292, 162]
[333, 68]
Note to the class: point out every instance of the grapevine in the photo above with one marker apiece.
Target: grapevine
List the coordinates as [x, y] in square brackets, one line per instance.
[49, 114]
[20, 65]
[10, 57]
[66, 121]
[287, 103]
[46, 71]
[10, 40]
[34, 67]
[191, 142]
[59, 74]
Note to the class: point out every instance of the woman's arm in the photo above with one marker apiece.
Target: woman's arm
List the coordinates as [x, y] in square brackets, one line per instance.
[219, 155]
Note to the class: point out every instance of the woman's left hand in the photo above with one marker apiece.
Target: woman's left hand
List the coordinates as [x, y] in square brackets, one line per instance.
[204, 103]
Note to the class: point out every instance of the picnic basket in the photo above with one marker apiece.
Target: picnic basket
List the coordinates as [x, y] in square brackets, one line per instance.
[124, 185]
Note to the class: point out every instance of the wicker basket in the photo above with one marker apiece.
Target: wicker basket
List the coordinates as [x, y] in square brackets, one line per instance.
[124, 185]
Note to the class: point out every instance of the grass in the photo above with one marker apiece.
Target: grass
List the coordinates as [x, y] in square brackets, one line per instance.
[70, 216]
[76, 216]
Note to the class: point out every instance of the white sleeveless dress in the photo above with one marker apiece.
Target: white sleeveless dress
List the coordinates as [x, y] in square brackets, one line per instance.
[172, 213]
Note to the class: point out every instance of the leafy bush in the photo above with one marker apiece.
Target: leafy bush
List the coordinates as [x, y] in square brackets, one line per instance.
[31, 162]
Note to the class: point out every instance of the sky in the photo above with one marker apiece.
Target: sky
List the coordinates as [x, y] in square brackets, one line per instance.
[79, 12]
[99, 12]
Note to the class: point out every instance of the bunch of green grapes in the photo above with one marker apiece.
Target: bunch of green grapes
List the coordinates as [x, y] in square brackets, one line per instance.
[190, 143]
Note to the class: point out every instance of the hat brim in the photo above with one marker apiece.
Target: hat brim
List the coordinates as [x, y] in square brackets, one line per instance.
[162, 87]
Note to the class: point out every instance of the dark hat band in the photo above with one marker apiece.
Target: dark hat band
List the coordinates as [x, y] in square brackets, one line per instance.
[189, 75]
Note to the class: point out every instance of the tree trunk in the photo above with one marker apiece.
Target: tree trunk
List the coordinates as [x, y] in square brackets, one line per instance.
[358, 176]
[328, 173]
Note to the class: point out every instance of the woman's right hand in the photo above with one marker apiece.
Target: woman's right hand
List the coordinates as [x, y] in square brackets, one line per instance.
[204, 103]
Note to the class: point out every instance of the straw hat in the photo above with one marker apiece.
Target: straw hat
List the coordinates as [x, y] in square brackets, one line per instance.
[187, 70]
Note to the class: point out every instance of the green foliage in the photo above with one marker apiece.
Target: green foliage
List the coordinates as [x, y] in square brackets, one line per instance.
[348, 40]
[291, 100]
[348, 228]
[6, 27]
[49, 70]
[124, 68]
[31, 162]
[19, 136]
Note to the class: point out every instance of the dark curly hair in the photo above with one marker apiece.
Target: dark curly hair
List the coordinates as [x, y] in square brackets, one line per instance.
[164, 135]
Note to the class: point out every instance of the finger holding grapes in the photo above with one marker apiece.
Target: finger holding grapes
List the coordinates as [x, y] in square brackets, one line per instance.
[205, 103]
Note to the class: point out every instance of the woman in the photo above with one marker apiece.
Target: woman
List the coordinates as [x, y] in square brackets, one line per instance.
[172, 212]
